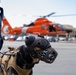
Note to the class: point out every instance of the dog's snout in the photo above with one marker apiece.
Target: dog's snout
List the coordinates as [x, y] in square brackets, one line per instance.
[51, 56]
[54, 53]
[48, 55]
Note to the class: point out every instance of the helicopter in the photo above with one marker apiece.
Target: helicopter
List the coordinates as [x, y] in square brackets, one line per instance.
[41, 26]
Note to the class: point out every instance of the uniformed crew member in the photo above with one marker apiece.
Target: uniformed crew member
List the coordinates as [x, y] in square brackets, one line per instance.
[1, 18]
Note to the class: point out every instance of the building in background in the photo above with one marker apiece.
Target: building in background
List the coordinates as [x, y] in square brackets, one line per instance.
[71, 31]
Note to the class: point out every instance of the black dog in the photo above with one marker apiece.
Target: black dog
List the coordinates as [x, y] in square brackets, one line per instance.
[27, 57]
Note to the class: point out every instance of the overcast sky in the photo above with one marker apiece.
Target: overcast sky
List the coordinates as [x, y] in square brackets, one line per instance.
[19, 12]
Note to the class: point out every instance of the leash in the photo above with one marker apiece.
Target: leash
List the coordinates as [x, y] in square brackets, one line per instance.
[10, 54]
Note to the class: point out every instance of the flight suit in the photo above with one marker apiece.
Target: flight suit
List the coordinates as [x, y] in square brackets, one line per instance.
[1, 18]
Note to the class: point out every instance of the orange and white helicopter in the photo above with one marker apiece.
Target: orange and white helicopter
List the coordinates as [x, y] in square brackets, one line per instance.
[41, 26]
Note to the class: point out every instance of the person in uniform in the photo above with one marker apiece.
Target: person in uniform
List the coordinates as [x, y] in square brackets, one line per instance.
[1, 18]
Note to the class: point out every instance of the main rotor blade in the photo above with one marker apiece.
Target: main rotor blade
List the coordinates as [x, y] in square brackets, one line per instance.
[49, 14]
[64, 15]
[46, 15]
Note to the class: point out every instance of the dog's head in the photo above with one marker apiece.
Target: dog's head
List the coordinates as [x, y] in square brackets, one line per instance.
[40, 48]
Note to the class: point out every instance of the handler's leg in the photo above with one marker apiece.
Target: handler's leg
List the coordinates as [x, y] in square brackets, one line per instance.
[1, 42]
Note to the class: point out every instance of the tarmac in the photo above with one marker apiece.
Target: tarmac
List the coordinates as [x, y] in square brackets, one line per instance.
[65, 63]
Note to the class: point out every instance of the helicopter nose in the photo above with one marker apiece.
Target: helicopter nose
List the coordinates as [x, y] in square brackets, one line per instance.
[62, 27]
[68, 30]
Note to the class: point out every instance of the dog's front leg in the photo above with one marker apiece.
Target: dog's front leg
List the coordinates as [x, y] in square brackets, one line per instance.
[1, 71]
[11, 71]
[31, 73]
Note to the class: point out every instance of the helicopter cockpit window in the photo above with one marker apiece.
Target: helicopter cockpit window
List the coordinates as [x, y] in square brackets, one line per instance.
[43, 27]
[61, 26]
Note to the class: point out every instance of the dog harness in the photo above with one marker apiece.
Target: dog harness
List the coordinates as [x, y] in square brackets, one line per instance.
[8, 61]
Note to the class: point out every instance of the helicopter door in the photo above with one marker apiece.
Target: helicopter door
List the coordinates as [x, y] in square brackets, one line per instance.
[51, 28]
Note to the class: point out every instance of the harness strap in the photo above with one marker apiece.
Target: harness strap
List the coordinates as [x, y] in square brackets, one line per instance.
[8, 59]
[20, 71]
[4, 63]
